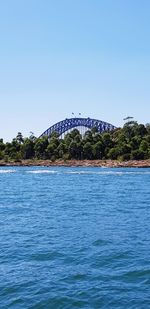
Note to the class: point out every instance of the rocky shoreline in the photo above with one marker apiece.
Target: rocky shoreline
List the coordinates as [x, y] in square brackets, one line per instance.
[83, 163]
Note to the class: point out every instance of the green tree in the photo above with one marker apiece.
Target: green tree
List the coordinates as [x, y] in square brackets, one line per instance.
[40, 147]
[75, 150]
[19, 138]
[88, 151]
[51, 151]
[74, 133]
[27, 149]
[98, 150]
[137, 154]
[148, 128]
[88, 137]
[113, 153]
[62, 149]
[135, 142]
[144, 147]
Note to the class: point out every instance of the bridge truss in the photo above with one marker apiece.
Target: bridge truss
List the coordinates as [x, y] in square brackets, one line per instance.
[69, 124]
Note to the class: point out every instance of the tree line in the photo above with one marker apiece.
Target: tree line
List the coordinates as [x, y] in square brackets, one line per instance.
[132, 142]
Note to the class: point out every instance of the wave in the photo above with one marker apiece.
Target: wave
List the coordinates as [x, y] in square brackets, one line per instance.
[107, 172]
[92, 173]
[81, 172]
[7, 171]
[42, 172]
[78, 172]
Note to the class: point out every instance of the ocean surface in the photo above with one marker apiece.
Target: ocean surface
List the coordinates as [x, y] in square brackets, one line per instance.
[74, 238]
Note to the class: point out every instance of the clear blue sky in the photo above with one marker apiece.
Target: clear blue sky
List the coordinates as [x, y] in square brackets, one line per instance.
[64, 56]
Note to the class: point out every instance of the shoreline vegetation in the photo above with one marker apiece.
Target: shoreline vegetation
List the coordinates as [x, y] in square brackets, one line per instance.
[80, 163]
[122, 147]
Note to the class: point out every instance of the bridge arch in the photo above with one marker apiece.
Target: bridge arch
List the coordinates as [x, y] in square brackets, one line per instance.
[67, 124]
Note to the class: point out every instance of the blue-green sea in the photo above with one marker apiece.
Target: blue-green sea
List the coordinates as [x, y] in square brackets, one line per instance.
[74, 238]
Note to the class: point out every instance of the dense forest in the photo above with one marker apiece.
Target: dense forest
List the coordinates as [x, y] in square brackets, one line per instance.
[132, 142]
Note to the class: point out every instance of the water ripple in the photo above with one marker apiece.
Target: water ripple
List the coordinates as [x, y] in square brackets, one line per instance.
[74, 238]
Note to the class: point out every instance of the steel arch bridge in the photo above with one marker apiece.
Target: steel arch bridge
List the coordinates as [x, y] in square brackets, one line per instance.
[68, 124]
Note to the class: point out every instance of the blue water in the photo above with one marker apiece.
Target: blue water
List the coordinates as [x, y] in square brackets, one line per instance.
[74, 238]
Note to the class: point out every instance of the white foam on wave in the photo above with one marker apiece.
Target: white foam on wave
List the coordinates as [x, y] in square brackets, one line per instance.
[138, 173]
[42, 172]
[92, 173]
[78, 172]
[81, 172]
[107, 172]
[7, 171]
